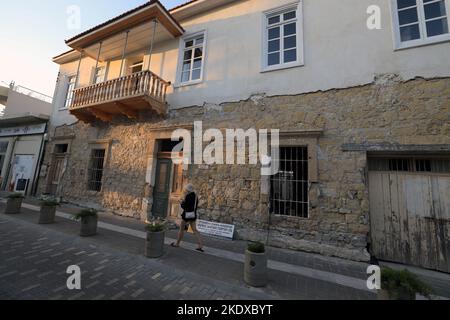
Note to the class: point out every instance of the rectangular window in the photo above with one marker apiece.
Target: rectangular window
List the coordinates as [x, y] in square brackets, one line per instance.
[193, 56]
[137, 67]
[282, 38]
[61, 148]
[421, 21]
[99, 75]
[69, 95]
[289, 188]
[96, 169]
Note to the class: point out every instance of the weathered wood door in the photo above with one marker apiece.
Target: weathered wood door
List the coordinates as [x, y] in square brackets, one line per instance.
[410, 218]
[56, 172]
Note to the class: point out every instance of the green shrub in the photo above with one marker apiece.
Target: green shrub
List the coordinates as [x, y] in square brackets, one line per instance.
[86, 213]
[256, 247]
[402, 283]
[49, 201]
[16, 196]
[156, 225]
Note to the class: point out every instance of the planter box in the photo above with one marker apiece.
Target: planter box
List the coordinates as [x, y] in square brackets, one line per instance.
[13, 206]
[88, 226]
[397, 295]
[47, 215]
[255, 269]
[154, 244]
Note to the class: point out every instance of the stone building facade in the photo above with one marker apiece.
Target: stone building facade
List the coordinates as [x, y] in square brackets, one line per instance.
[363, 116]
[388, 114]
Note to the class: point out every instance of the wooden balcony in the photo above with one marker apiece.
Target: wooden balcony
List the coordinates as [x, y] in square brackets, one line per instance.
[122, 96]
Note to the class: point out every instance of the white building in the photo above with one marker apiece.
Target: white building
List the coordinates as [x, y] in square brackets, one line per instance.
[23, 127]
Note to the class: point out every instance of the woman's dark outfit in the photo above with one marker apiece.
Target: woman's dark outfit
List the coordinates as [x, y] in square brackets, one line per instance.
[189, 205]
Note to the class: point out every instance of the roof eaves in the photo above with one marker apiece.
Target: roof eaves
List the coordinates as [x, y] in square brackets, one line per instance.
[123, 15]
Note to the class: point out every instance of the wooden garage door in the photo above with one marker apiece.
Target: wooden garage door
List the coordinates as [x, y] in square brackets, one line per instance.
[410, 212]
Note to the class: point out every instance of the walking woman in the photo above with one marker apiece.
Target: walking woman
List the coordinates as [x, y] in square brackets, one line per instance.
[189, 204]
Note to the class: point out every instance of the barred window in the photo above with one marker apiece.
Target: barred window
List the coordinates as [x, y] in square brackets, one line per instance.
[96, 169]
[289, 188]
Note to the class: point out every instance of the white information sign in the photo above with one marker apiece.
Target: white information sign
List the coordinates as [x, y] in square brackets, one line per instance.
[216, 229]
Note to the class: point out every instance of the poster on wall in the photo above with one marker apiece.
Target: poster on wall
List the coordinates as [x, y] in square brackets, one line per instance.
[22, 172]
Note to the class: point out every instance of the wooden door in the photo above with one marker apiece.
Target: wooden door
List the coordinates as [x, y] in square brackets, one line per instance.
[410, 218]
[162, 188]
[56, 172]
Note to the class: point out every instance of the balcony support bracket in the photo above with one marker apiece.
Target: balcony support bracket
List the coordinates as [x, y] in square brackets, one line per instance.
[105, 117]
[127, 111]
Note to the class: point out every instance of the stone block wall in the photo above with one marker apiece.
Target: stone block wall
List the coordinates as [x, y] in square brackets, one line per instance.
[386, 111]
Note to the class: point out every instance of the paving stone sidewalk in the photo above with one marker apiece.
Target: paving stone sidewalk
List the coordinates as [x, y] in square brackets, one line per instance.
[35, 261]
[27, 256]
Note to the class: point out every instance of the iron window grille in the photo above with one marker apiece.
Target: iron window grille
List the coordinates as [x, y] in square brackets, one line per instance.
[96, 170]
[410, 164]
[289, 188]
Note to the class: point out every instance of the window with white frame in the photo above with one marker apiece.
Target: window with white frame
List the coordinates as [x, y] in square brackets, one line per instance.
[421, 21]
[69, 95]
[99, 75]
[193, 57]
[282, 43]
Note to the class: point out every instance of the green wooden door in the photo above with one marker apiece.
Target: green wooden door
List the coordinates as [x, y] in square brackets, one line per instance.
[162, 188]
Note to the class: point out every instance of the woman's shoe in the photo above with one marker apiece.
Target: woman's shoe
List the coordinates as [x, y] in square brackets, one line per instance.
[174, 245]
[200, 250]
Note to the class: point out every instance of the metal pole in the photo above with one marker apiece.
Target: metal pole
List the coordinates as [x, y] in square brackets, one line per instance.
[155, 23]
[78, 69]
[98, 55]
[123, 53]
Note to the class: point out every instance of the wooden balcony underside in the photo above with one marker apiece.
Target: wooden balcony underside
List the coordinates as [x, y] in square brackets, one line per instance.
[125, 96]
[129, 107]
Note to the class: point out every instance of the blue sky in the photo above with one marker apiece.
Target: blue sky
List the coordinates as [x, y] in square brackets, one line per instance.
[33, 31]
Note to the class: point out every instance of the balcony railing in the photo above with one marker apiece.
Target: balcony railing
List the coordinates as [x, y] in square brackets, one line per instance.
[145, 85]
